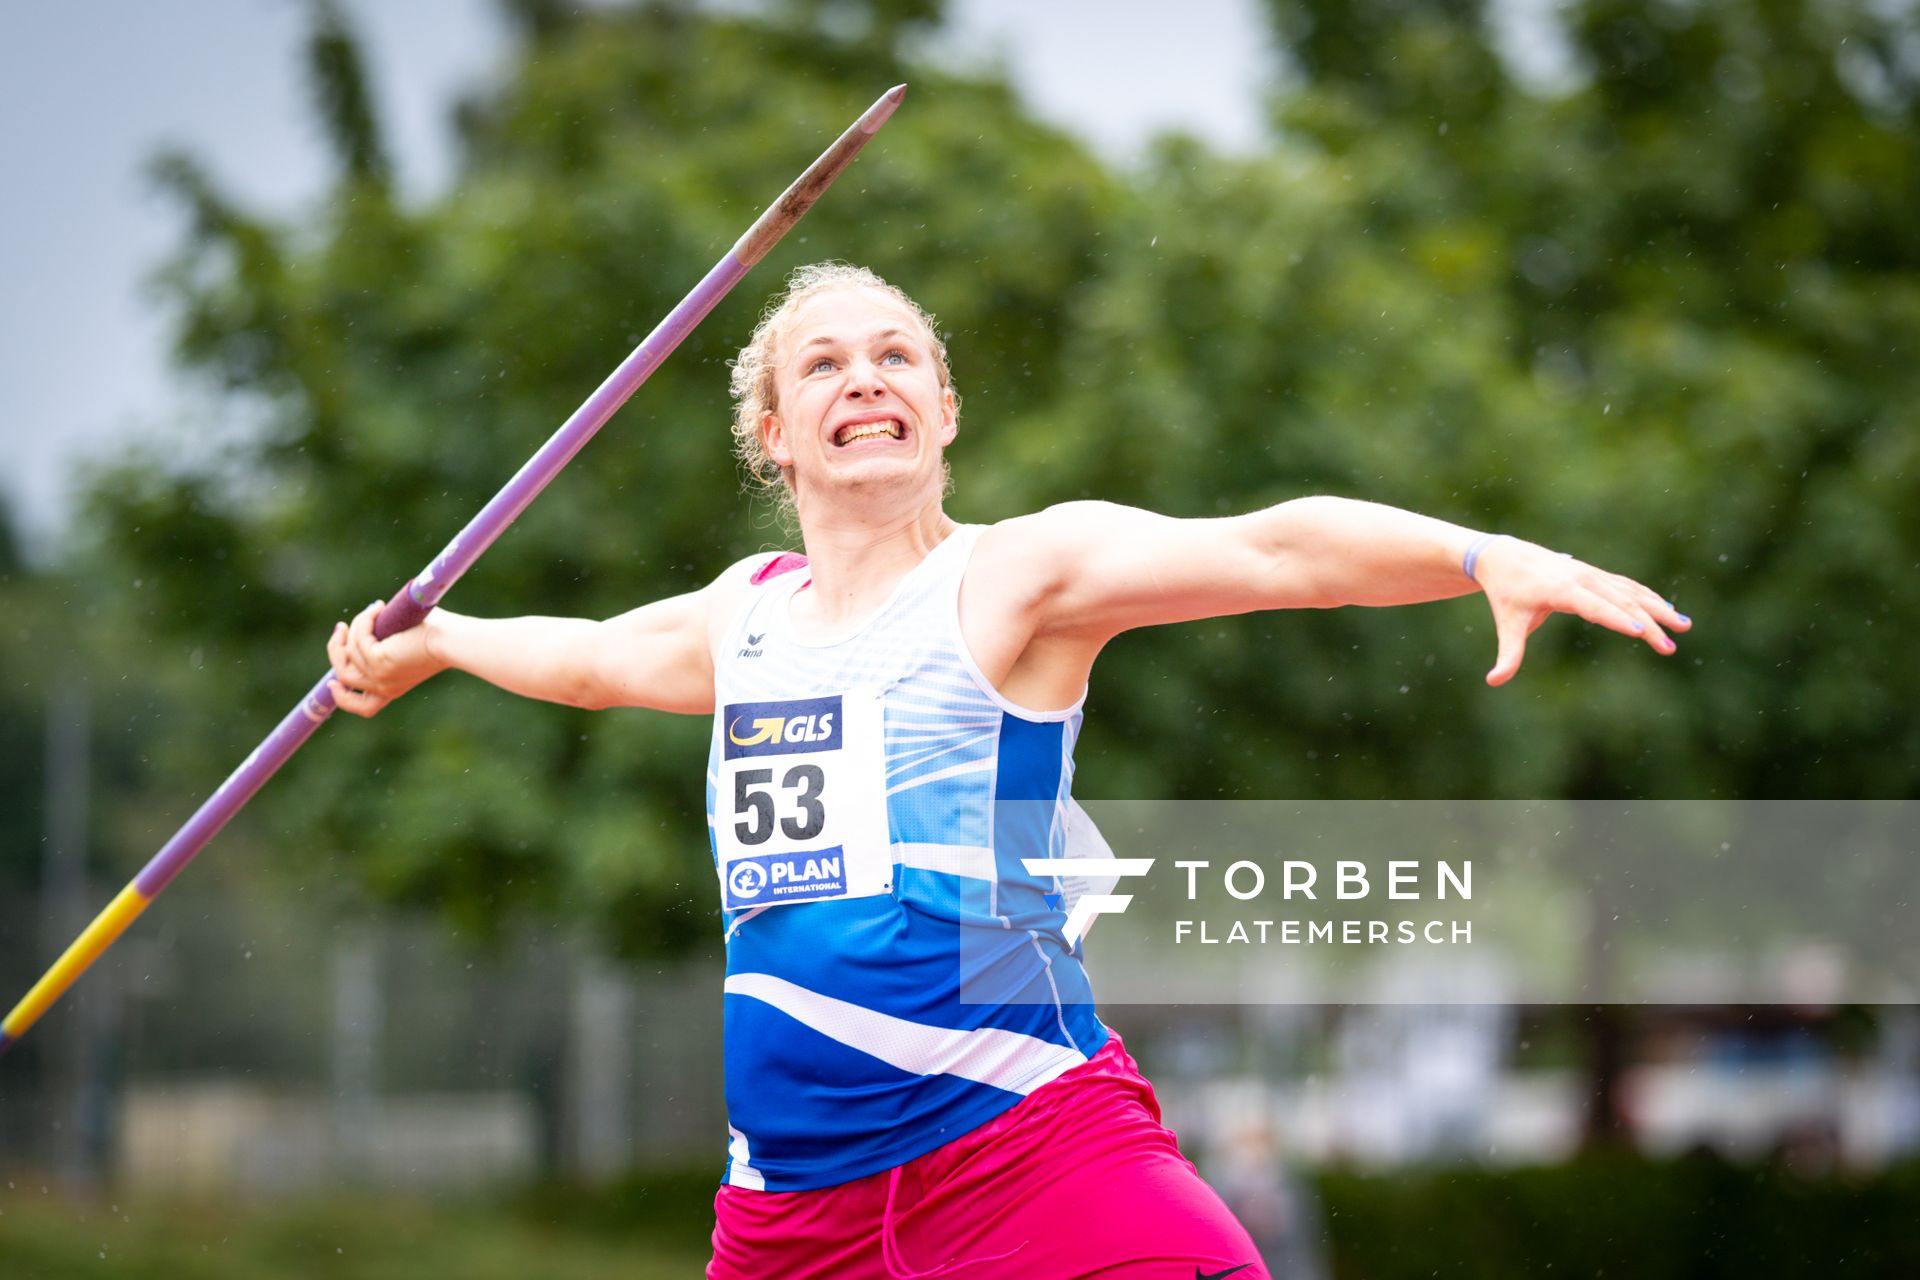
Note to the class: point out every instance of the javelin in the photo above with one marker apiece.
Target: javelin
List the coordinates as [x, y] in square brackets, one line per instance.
[410, 606]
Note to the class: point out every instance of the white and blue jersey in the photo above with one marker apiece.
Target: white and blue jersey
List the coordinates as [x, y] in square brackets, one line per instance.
[895, 978]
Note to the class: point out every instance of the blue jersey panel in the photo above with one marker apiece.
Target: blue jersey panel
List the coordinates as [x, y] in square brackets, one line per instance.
[866, 1029]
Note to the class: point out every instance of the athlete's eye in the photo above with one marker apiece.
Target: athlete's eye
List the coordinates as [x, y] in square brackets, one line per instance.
[895, 356]
[819, 365]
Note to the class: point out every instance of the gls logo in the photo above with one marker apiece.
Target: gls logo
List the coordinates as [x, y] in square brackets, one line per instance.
[781, 728]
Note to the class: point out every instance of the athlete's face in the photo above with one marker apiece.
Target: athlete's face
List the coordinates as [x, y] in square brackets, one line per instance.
[860, 405]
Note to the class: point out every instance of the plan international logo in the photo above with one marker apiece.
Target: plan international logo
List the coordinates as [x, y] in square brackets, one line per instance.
[778, 877]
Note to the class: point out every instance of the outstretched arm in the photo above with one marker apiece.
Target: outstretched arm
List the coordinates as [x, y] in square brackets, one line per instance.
[1091, 570]
[659, 655]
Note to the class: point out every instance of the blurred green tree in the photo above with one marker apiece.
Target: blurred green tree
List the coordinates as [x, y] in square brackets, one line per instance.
[25, 608]
[403, 361]
[1690, 282]
[1662, 314]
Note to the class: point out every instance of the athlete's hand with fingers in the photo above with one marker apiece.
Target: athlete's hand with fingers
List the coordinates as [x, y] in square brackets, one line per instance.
[369, 673]
[1526, 584]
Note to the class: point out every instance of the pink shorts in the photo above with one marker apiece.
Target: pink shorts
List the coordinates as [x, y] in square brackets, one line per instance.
[1079, 1179]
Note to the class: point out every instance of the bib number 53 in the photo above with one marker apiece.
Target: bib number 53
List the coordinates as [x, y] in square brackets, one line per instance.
[758, 806]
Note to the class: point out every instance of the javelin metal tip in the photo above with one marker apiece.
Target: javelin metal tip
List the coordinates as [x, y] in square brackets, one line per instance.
[807, 188]
[882, 110]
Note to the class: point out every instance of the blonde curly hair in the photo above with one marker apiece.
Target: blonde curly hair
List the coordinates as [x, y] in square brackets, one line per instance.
[751, 376]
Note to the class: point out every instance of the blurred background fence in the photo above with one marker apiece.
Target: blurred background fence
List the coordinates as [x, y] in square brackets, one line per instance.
[255, 1049]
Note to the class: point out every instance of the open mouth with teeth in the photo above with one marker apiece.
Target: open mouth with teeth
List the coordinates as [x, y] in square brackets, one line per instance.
[884, 429]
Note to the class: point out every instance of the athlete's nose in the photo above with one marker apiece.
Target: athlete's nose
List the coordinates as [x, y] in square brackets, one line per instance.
[863, 380]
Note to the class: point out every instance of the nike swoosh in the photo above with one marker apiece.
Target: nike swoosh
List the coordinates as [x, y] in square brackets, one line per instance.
[1198, 1274]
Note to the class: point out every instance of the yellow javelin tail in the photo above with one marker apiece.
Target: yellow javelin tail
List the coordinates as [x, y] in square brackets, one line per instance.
[97, 937]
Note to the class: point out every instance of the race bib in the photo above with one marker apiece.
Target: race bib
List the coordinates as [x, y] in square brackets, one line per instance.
[801, 810]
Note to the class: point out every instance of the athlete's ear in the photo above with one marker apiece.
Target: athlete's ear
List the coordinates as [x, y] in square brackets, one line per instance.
[773, 438]
[949, 416]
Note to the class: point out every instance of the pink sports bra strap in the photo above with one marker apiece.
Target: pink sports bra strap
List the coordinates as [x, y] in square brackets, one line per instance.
[785, 562]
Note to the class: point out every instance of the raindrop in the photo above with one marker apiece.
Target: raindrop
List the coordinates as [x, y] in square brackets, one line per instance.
[1737, 79]
[1546, 264]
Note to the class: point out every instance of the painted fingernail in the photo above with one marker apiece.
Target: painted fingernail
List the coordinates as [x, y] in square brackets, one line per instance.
[1683, 617]
[1638, 627]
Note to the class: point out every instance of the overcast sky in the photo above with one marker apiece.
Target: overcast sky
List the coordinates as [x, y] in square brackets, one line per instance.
[89, 89]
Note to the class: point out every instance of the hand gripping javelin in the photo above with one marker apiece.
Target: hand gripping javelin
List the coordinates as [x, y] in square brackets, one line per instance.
[410, 606]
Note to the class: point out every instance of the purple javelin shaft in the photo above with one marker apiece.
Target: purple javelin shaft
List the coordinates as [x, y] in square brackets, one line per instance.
[410, 606]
